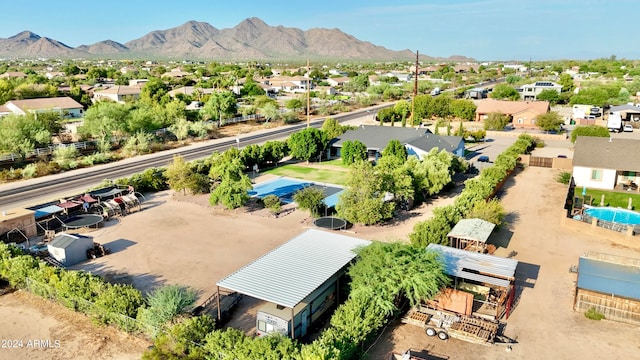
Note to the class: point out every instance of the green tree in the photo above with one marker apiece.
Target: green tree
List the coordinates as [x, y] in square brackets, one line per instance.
[395, 148]
[491, 211]
[155, 91]
[307, 144]
[352, 151]
[463, 109]
[104, 120]
[273, 151]
[589, 130]
[310, 198]
[179, 174]
[251, 88]
[567, 82]
[552, 96]
[269, 112]
[21, 134]
[403, 108]
[506, 92]
[332, 128]
[496, 121]
[550, 121]
[183, 340]
[232, 184]
[221, 105]
[363, 201]
[294, 104]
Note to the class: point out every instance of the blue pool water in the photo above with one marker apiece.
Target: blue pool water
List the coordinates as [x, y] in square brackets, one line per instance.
[620, 216]
[285, 188]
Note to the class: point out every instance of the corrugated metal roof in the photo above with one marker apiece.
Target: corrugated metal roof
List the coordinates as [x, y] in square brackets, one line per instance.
[292, 271]
[602, 275]
[63, 240]
[472, 229]
[466, 265]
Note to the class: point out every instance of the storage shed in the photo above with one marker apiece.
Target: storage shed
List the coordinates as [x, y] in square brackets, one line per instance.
[299, 277]
[471, 235]
[610, 284]
[489, 278]
[70, 249]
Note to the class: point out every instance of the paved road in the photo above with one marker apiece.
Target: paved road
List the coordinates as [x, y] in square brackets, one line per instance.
[53, 187]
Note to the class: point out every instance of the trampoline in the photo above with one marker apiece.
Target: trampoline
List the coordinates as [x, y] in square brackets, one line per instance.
[330, 222]
[83, 221]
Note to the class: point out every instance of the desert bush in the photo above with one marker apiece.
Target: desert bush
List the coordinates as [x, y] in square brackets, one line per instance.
[593, 314]
[563, 177]
[272, 202]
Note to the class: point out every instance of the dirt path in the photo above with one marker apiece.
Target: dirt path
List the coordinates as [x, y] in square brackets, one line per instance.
[40, 329]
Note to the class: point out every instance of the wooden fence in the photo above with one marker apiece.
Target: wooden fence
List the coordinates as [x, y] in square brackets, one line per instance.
[613, 308]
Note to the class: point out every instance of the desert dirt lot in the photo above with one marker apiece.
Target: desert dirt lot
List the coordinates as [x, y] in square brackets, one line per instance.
[181, 240]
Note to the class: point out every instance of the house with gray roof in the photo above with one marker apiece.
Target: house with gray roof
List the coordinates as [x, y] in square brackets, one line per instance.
[604, 163]
[630, 114]
[418, 141]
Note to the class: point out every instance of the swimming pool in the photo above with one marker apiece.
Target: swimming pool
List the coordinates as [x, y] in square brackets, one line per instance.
[615, 215]
[285, 189]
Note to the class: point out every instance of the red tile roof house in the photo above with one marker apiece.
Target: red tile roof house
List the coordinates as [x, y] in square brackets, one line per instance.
[523, 113]
[66, 106]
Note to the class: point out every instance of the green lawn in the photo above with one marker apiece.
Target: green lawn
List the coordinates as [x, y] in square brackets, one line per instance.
[334, 162]
[613, 199]
[311, 174]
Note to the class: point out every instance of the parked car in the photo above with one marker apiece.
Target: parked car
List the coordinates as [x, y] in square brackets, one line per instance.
[628, 128]
[483, 158]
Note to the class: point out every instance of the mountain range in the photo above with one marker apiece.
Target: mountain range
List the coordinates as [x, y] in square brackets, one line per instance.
[251, 39]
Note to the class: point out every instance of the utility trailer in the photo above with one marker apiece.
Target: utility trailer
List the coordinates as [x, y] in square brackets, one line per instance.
[445, 324]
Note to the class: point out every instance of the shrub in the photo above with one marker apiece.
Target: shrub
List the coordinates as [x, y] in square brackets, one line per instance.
[29, 171]
[272, 202]
[563, 177]
[593, 314]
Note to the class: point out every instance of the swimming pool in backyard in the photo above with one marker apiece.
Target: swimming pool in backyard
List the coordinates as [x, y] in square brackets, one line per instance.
[615, 215]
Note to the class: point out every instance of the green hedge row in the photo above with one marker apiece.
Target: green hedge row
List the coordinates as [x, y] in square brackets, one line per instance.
[480, 188]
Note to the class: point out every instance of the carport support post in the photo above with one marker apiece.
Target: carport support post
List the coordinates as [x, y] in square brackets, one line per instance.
[218, 301]
[293, 326]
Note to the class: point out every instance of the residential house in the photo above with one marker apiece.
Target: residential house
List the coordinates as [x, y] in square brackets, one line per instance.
[606, 163]
[290, 84]
[429, 69]
[338, 81]
[402, 76]
[4, 111]
[417, 141]
[530, 92]
[13, 75]
[176, 73]
[138, 82]
[54, 74]
[190, 91]
[66, 106]
[523, 114]
[628, 113]
[465, 68]
[118, 93]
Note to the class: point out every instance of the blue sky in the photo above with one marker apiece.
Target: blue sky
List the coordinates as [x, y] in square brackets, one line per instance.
[482, 29]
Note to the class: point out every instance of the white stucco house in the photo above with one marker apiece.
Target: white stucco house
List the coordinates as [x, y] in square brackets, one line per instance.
[64, 105]
[605, 163]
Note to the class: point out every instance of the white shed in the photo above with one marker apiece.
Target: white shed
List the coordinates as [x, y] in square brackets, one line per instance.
[70, 249]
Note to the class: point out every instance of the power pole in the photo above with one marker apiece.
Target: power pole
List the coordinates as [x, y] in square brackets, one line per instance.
[308, 95]
[415, 91]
